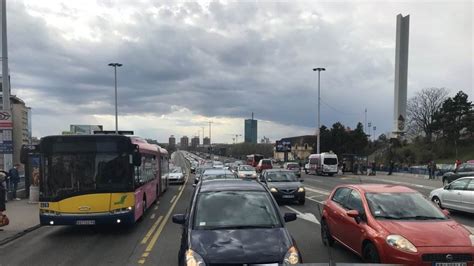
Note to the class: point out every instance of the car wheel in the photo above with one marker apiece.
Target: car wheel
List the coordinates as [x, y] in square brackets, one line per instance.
[371, 254]
[437, 201]
[326, 234]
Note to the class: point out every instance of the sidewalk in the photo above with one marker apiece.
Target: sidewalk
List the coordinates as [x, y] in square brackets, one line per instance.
[23, 218]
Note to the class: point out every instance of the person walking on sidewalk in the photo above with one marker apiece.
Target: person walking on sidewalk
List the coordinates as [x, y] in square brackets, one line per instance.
[14, 179]
[3, 178]
[390, 168]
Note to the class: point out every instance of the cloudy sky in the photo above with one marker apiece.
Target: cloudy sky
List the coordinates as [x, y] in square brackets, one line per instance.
[185, 63]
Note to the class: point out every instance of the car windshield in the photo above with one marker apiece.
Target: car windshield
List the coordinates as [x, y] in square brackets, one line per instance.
[246, 168]
[402, 206]
[176, 170]
[292, 165]
[330, 161]
[234, 210]
[281, 177]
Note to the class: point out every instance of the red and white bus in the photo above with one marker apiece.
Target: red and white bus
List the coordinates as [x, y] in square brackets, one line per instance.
[98, 179]
[253, 159]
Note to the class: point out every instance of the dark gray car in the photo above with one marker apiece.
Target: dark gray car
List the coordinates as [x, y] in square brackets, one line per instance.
[465, 169]
[284, 185]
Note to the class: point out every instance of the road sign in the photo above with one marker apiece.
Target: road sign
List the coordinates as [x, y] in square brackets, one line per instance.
[6, 147]
[6, 119]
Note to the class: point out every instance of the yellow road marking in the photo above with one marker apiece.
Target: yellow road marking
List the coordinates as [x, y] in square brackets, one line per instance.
[146, 254]
[150, 232]
[174, 197]
[162, 225]
[141, 261]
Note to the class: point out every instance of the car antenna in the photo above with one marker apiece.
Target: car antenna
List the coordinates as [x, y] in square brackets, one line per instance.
[328, 248]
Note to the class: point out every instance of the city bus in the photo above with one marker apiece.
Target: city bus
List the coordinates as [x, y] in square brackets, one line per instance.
[98, 179]
[253, 159]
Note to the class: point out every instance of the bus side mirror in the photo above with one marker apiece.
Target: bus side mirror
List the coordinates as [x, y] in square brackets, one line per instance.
[137, 157]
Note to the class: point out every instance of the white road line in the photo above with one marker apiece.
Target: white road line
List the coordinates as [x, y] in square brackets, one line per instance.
[152, 216]
[174, 197]
[156, 207]
[305, 216]
[317, 201]
[324, 192]
[400, 183]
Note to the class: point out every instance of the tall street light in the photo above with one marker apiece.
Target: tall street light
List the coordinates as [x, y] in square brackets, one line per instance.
[319, 69]
[115, 65]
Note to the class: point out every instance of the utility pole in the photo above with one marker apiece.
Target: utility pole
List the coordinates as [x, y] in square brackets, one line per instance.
[115, 65]
[318, 143]
[7, 129]
[365, 122]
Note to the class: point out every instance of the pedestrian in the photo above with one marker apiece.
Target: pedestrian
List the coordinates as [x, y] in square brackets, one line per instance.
[390, 168]
[433, 170]
[3, 178]
[428, 168]
[14, 180]
[457, 164]
[373, 172]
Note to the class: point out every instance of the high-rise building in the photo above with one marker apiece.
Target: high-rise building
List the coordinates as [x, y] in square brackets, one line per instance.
[21, 126]
[184, 143]
[250, 130]
[206, 141]
[195, 142]
[172, 142]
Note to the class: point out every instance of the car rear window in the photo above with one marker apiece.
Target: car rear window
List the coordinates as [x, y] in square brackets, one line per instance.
[233, 209]
[266, 162]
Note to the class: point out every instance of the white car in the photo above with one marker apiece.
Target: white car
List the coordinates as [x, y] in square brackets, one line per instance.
[176, 176]
[457, 195]
[217, 165]
[246, 171]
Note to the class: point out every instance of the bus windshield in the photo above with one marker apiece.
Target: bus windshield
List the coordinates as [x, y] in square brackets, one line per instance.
[68, 174]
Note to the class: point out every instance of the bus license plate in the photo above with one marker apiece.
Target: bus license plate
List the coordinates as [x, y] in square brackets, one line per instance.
[450, 263]
[288, 196]
[85, 222]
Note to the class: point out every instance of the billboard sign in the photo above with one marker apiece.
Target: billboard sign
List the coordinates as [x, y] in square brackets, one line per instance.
[282, 146]
[85, 129]
[6, 119]
[6, 147]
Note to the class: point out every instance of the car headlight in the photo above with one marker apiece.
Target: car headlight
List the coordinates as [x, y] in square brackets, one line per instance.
[193, 259]
[254, 175]
[291, 257]
[301, 189]
[273, 189]
[241, 175]
[401, 243]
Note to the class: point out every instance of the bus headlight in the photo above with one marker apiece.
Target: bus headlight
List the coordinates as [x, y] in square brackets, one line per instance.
[122, 210]
[291, 257]
[193, 259]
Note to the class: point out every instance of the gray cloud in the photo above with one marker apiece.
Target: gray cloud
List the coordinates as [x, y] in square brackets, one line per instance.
[231, 59]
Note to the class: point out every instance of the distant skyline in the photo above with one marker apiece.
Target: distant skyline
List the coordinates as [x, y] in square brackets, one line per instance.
[187, 63]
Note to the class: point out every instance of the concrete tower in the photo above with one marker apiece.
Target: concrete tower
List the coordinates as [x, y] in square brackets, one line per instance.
[401, 72]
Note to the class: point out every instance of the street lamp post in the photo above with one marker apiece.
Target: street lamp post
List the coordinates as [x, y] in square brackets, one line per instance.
[319, 69]
[115, 65]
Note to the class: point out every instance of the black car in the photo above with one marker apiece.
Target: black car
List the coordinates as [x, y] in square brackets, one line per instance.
[284, 185]
[235, 222]
[465, 169]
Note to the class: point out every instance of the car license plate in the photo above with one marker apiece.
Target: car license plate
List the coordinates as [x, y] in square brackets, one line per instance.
[85, 222]
[288, 196]
[449, 263]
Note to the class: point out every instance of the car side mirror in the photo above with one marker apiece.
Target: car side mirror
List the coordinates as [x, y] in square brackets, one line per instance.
[354, 214]
[446, 187]
[179, 218]
[194, 185]
[290, 216]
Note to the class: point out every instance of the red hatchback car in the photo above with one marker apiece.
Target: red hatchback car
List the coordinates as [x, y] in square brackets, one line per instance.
[394, 224]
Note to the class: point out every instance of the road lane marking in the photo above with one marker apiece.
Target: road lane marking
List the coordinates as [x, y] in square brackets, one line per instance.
[317, 201]
[324, 192]
[174, 197]
[181, 187]
[399, 183]
[145, 254]
[150, 232]
[141, 261]
[152, 216]
[469, 228]
[305, 216]
[162, 225]
[156, 207]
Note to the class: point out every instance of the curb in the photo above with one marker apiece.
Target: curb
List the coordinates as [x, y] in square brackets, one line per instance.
[18, 235]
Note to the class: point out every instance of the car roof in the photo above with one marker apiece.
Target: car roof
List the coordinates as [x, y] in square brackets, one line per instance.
[230, 185]
[277, 170]
[217, 171]
[381, 188]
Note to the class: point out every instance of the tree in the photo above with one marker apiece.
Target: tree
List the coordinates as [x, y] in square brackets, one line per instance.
[453, 119]
[421, 110]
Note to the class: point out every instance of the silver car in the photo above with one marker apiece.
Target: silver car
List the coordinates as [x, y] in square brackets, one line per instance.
[457, 195]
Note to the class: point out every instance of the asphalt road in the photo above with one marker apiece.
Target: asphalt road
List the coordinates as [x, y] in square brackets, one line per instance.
[155, 240]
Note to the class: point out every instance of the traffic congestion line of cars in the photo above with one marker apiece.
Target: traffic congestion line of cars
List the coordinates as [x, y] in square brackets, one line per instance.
[378, 222]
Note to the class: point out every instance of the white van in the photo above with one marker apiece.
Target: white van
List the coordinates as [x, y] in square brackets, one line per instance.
[324, 163]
